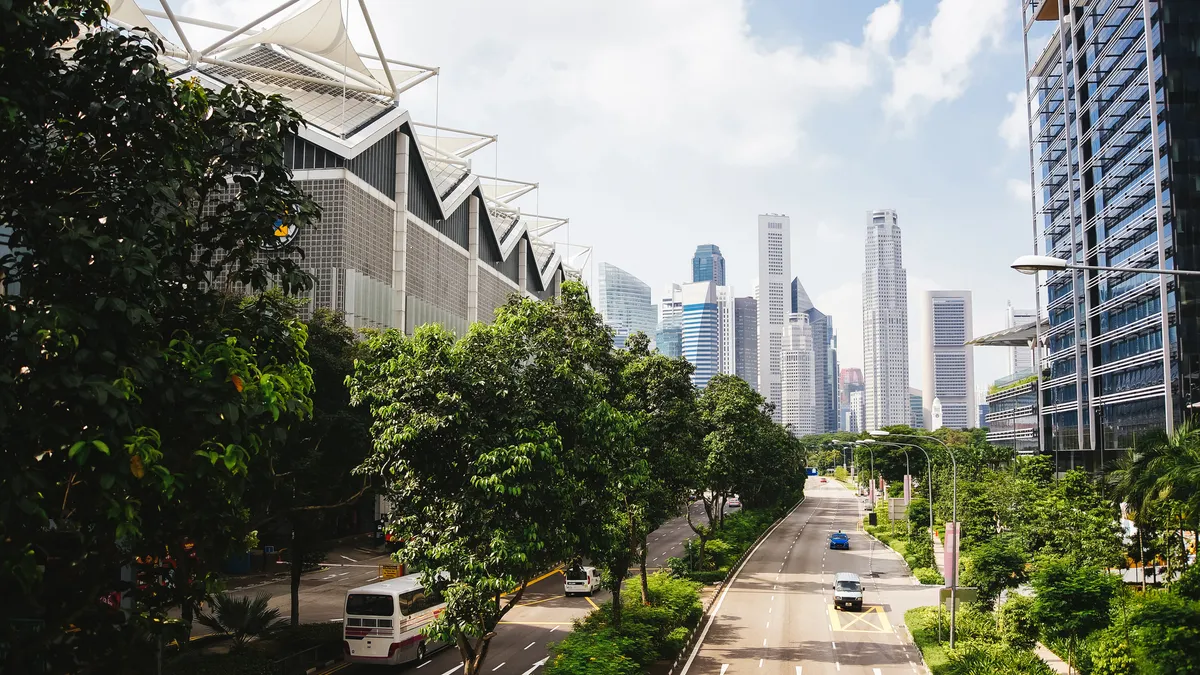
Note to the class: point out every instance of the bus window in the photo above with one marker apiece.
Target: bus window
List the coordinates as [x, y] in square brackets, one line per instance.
[417, 600]
[369, 605]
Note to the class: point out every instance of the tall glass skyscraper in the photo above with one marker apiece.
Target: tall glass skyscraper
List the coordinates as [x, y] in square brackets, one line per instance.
[1117, 184]
[797, 378]
[825, 364]
[669, 338]
[700, 330]
[625, 303]
[774, 270]
[745, 339]
[885, 324]
[708, 264]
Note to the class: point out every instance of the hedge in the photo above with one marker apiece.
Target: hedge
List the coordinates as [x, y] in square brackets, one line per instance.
[979, 647]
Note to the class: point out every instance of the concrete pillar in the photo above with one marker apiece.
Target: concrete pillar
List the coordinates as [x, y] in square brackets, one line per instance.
[907, 489]
[473, 259]
[400, 235]
[522, 265]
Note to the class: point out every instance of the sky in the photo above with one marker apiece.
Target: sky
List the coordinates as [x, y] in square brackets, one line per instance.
[659, 125]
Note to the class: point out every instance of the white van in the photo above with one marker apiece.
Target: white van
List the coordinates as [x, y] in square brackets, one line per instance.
[847, 591]
[382, 622]
[580, 579]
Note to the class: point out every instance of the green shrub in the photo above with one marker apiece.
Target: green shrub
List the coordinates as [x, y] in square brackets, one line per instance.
[708, 576]
[929, 576]
[675, 642]
[1110, 653]
[296, 638]
[911, 562]
[981, 658]
[680, 597]
[719, 553]
[1017, 629]
[920, 547]
[589, 653]
[1188, 584]
[242, 619]
[840, 473]
[248, 661]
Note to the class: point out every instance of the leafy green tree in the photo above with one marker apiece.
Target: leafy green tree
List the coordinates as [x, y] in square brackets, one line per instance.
[132, 412]
[1166, 632]
[1073, 519]
[1072, 601]
[995, 566]
[1017, 628]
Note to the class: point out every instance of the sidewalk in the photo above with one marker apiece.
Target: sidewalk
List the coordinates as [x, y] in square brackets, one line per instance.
[939, 555]
[1056, 664]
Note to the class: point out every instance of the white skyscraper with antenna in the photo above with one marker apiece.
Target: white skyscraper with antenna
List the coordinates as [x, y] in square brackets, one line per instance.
[885, 325]
[774, 302]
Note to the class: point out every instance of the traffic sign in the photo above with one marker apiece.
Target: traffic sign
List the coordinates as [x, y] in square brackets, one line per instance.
[391, 571]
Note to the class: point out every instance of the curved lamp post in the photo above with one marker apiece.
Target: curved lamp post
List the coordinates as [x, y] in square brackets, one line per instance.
[928, 466]
[953, 516]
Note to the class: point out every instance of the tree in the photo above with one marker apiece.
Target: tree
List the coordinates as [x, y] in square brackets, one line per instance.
[243, 619]
[1072, 602]
[1166, 631]
[132, 412]
[995, 566]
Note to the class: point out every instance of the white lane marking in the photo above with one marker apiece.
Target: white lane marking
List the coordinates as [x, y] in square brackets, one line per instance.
[458, 667]
[535, 667]
[529, 645]
[769, 609]
[799, 670]
[768, 624]
[834, 644]
[760, 662]
[346, 557]
[424, 664]
[839, 665]
[764, 642]
[554, 629]
[337, 620]
[504, 662]
[724, 667]
[876, 671]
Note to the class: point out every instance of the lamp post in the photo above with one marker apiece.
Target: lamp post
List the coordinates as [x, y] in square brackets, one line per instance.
[929, 468]
[953, 517]
[1032, 264]
[871, 450]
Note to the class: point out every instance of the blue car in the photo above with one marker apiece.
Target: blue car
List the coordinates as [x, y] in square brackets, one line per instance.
[839, 540]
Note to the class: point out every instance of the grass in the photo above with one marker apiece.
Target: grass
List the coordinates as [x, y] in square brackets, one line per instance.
[924, 634]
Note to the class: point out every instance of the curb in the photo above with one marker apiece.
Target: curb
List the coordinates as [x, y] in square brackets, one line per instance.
[323, 666]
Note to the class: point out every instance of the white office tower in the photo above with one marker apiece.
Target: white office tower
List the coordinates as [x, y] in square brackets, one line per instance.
[726, 342]
[885, 325]
[796, 366]
[949, 362]
[625, 303]
[774, 302]
[700, 331]
[1022, 357]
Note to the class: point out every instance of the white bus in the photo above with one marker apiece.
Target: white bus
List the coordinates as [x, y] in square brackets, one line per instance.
[382, 622]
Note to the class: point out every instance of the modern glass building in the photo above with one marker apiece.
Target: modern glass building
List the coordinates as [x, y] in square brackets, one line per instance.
[708, 264]
[669, 338]
[745, 339]
[700, 330]
[624, 302]
[917, 409]
[800, 410]
[825, 364]
[1117, 183]
[949, 372]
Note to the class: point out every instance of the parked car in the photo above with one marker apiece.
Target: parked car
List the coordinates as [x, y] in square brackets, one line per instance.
[840, 540]
[580, 579]
[734, 503]
[847, 591]
[823, 480]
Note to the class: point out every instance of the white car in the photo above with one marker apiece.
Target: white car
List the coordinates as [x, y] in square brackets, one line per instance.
[581, 579]
[734, 503]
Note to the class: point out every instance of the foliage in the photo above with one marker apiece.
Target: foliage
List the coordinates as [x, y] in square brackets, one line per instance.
[929, 576]
[242, 618]
[135, 396]
[995, 566]
[1072, 602]
[979, 648]
[994, 659]
[590, 653]
[741, 529]
[840, 473]
[1017, 628]
[1166, 632]
[242, 662]
[1161, 467]
[1187, 585]
[1110, 655]
[919, 549]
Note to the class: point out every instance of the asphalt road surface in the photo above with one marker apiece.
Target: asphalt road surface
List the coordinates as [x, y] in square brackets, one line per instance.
[519, 647]
[777, 616]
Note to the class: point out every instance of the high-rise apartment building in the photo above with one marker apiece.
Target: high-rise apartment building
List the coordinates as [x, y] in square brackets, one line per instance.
[708, 264]
[1118, 184]
[745, 339]
[701, 330]
[1021, 358]
[885, 324]
[774, 276]
[851, 394]
[726, 342]
[669, 338]
[624, 302]
[949, 362]
[916, 404]
[798, 391]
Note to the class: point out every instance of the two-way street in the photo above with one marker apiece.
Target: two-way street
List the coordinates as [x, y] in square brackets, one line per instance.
[777, 616]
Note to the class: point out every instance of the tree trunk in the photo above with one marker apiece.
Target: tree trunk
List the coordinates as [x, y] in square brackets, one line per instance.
[616, 606]
[297, 567]
[642, 565]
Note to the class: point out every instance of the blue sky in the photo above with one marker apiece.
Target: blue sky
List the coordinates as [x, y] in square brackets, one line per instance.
[658, 125]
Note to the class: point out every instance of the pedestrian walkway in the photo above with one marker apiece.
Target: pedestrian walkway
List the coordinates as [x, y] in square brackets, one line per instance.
[939, 555]
[1056, 664]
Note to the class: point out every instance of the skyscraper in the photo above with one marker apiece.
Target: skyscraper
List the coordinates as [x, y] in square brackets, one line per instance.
[745, 339]
[949, 361]
[798, 391]
[700, 330]
[1022, 358]
[624, 302]
[708, 264]
[851, 392]
[825, 374]
[726, 347]
[1117, 186]
[774, 275]
[885, 324]
[669, 338]
[916, 404]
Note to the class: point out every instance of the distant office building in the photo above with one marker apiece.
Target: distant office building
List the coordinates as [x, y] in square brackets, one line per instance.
[1012, 412]
[825, 377]
[949, 361]
[774, 275]
[1022, 357]
[798, 391]
[701, 330]
[745, 339]
[625, 303]
[885, 324]
[800, 300]
[669, 338]
[708, 264]
[915, 404]
[852, 412]
[726, 342]
[983, 413]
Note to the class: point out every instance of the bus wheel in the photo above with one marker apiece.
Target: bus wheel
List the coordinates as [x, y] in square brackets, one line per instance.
[421, 651]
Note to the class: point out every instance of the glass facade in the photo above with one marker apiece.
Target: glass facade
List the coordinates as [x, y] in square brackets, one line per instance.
[624, 302]
[1116, 186]
[699, 330]
[708, 264]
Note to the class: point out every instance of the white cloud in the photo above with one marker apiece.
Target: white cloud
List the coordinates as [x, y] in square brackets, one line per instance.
[882, 25]
[937, 65]
[1018, 189]
[1014, 127]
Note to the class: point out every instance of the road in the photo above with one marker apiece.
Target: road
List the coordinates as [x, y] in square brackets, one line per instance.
[543, 616]
[777, 617]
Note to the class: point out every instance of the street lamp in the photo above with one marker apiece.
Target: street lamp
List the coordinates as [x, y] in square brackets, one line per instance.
[872, 451]
[1032, 264]
[928, 466]
[953, 517]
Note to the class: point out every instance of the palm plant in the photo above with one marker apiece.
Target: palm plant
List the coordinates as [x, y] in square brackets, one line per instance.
[242, 618]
